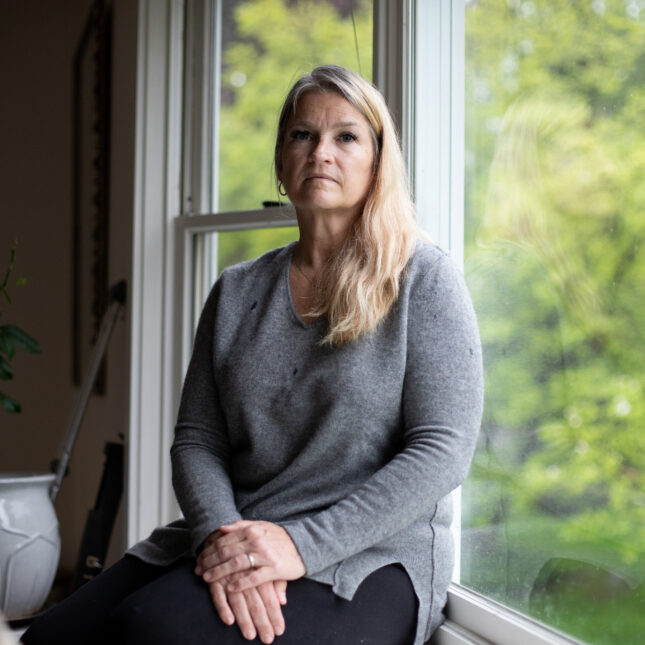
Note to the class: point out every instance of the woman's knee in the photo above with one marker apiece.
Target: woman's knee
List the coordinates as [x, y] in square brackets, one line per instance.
[175, 608]
[129, 624]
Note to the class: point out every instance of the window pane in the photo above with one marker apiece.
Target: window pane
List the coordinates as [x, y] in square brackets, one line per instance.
[238, 246]
[266, 46]
[554, 508]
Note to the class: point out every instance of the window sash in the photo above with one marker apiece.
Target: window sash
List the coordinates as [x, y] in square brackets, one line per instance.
[201, 97]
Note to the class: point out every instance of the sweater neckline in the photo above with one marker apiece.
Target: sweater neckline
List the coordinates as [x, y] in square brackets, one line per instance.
[287, 286]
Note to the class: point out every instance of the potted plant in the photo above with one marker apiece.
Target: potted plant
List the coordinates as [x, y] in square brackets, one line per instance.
[11, 338]
[29, 538]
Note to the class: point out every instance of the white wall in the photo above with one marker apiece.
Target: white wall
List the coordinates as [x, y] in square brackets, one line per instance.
[38, 39]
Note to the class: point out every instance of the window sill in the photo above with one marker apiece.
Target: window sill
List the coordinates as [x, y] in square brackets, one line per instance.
[472, 619]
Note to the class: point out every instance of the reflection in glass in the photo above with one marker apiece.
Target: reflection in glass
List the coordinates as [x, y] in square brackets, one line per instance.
[554, 509]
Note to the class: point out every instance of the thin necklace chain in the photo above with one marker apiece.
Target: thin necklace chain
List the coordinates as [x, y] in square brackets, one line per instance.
[307, 278]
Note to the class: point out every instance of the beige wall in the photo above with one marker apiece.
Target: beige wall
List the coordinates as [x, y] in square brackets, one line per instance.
[37, 43]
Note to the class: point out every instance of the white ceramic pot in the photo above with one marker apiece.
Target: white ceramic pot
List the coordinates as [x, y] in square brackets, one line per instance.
[29, 543]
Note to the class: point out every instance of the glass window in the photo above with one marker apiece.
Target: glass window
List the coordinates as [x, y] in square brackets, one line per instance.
[554, 508]
[238, 246]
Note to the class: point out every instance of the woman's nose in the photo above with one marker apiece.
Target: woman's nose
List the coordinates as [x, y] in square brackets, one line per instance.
[321, 150]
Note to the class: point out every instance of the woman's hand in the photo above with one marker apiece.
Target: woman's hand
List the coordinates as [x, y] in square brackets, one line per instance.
[246, 554]
[256, 611]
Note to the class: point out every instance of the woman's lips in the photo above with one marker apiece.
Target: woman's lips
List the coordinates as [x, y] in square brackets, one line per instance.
[321, 176]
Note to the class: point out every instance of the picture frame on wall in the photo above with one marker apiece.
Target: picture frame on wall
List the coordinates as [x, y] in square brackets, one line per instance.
[91, 157]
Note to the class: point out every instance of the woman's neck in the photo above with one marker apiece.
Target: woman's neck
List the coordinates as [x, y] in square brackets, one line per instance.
[320, 240]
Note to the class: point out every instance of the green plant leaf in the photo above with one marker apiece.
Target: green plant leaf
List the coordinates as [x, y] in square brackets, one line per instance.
[6, 371]
[7, 346]
[22, 339]
[9, 404]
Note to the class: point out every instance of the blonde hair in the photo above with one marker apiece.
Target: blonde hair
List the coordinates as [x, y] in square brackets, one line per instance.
[361, 284]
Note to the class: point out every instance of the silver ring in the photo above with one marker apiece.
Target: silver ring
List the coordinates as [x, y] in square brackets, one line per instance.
[251, 560]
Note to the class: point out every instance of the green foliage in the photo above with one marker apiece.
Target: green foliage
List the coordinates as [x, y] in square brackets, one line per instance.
[555, 201]
[238, 246]
[596, 618]
[12, 337]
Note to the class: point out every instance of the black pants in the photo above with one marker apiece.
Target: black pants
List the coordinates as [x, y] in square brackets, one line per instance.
[138, 603]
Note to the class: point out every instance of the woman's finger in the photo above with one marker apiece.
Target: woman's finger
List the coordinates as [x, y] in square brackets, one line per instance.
[243, 536]
[259, 613]
[237, 602]
[281, 590]
[218, 555]
[248, 579]
[220, 603]
[237, 564]
[272, 604]
[218, 548]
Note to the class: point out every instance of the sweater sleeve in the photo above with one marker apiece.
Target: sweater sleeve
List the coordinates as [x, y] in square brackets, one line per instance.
[441, 414]
[200, 451]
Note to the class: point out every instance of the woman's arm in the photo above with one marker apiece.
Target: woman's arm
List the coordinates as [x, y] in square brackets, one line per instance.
[441, 413]
[200, 451]
[200, 457]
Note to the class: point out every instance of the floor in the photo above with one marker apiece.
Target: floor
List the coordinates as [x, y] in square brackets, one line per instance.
[59, 592]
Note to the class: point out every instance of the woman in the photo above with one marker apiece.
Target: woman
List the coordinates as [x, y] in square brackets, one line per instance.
[331, 404]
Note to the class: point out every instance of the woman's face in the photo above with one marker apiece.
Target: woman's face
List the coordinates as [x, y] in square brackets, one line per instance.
[327, 156]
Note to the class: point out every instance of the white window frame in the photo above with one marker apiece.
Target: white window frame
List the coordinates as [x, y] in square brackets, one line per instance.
[473, 619]
[157, 200]
[427, 101]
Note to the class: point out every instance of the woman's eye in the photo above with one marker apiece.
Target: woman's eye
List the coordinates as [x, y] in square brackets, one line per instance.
[347, 137]
[300, 135]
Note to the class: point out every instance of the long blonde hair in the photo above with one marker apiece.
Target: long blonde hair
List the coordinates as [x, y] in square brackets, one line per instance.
[361, 283]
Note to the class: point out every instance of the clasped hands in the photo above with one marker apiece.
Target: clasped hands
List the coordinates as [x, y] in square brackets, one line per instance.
[247, 565]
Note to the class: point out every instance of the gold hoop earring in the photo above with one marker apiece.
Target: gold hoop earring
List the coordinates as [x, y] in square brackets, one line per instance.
[280, 189]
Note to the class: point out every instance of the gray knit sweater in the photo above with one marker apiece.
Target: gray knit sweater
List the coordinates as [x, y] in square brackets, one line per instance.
[352, 449]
